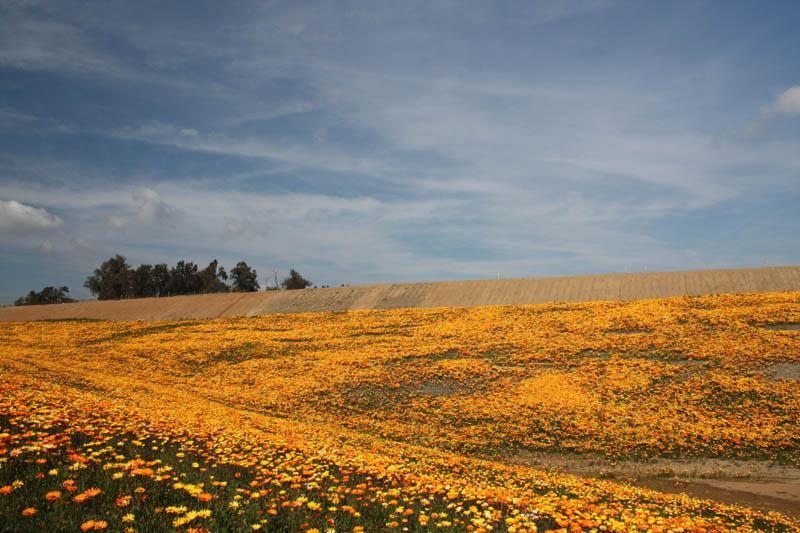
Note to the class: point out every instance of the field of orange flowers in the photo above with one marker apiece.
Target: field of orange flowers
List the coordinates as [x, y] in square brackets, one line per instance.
[390, 420]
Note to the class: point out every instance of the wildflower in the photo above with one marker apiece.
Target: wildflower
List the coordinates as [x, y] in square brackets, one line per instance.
[128, 517]
[30, 511]
[53, 495]
[52, 472]
[256, 527]
[92, 492]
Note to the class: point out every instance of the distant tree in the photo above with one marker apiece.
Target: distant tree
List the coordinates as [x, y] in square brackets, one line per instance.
[295, 281]
[143, 284]
[48, 295]
[112, 281]
[159, 278]
[211, 279]
[184, 279]
[245, 279]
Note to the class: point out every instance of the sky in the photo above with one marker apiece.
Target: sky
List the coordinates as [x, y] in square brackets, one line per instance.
[371, 142]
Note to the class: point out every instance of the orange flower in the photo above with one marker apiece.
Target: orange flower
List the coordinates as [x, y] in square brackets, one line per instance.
[204, 497]
[92, 492]
[29, 511]
[80, 498]
[6, 489]
[94, 524]
[123, 501]
[53, 495]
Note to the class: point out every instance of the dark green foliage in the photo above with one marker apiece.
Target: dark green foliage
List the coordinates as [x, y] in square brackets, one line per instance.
[112, 281]
[211, 279]
[48, 295]
[295, 281]
[159, 278]
[143, 285]
[115, 279]
[184, 279]
[245, 279]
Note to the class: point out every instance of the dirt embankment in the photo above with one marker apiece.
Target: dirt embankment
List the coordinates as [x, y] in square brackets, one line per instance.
[440, 294]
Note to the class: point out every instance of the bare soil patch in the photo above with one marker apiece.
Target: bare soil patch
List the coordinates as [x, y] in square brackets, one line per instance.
[781, 497]
[629, 331]
[782, 327]
[437, 388]
[760, 485]
[788, 371]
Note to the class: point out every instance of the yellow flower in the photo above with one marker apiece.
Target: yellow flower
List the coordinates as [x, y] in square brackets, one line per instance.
[128, 517]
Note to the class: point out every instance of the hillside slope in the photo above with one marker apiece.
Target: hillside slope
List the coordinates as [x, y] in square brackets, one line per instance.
[608, 287]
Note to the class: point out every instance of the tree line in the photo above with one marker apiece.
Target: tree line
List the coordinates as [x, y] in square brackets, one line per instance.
[116, 279]
[48, 295]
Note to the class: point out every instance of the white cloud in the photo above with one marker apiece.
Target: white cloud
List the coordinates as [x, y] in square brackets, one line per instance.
[149, 208]
[189, 132]
[788, 102]
[17, 216]
[234, 228]
[46, 247]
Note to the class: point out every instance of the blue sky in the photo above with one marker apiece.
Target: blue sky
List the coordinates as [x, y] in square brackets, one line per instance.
[363, 142]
